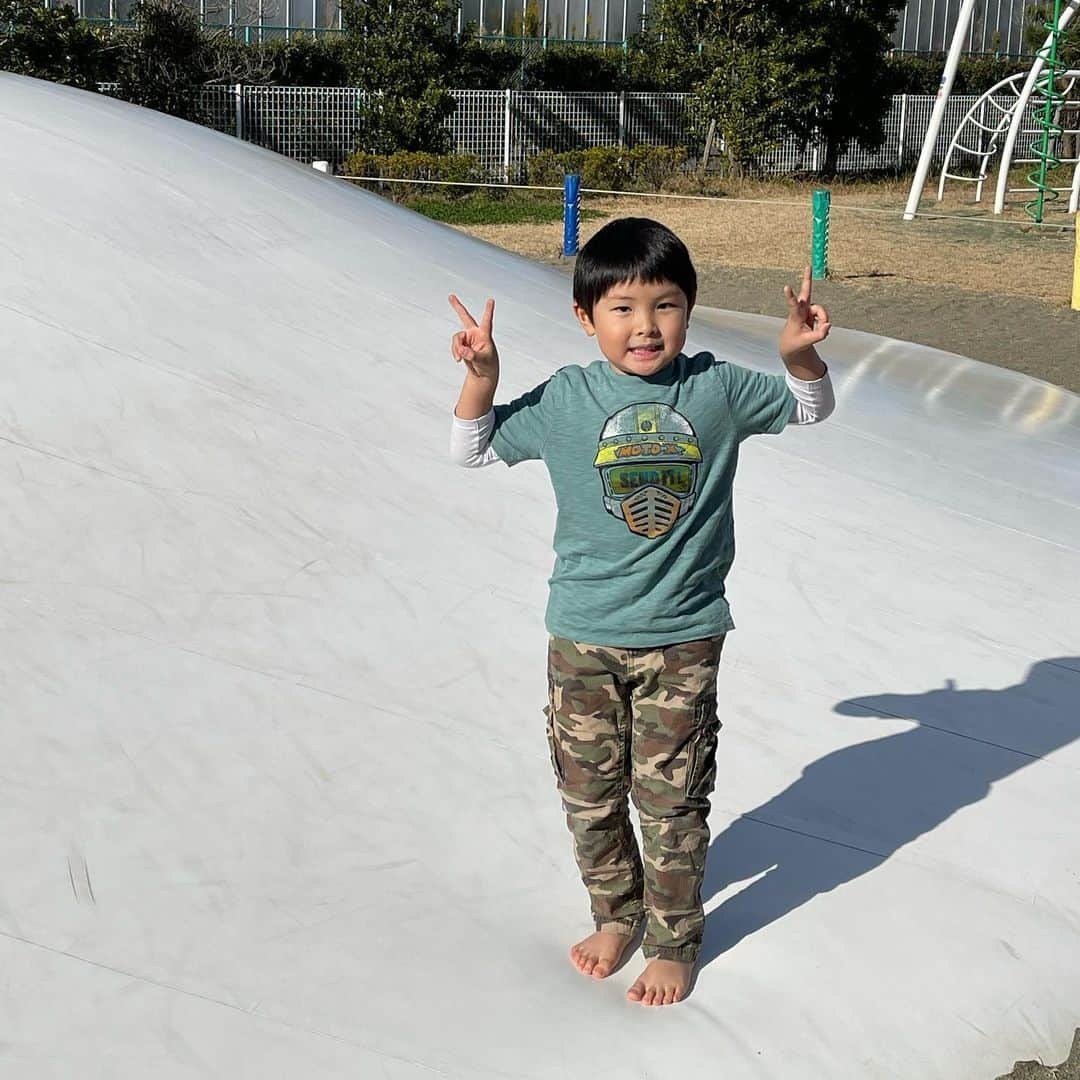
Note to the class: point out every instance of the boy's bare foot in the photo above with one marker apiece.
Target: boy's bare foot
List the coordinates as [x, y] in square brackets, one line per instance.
[663, 982]
[599, 954]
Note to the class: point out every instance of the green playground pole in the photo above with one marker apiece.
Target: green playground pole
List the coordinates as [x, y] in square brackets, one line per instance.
[819, 248]
[1050, 131]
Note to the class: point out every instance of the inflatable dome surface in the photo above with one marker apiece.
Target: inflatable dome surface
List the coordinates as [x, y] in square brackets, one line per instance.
[274, 791]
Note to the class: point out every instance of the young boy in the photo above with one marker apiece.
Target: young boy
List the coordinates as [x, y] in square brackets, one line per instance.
[641, 448]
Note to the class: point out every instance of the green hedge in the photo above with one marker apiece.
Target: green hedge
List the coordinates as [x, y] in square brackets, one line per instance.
[415, 165]
[54, 44]
[610, 168]
[911, 74]
[304, 61]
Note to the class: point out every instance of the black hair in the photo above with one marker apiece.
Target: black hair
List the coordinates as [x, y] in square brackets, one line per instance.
[631, 249]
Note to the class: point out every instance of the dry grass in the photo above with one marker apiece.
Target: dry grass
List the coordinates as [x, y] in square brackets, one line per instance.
[767, 225]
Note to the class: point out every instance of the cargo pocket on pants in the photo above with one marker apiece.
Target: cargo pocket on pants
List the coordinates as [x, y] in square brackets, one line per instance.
[553, 743]
[701, 756]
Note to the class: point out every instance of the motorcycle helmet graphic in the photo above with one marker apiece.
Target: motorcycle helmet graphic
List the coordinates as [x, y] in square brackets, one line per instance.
[648, 460]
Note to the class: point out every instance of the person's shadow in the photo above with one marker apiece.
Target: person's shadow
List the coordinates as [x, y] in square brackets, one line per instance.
[872, 798]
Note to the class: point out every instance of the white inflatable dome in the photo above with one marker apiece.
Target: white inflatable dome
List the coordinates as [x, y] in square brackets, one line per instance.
[274, 790]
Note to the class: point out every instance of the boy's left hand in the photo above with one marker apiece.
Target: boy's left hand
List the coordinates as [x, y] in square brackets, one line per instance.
[807, 323]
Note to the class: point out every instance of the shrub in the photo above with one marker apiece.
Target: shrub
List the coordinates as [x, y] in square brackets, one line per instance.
[164, 57]
[545, 169]
[574, 68]
[416, 165]
[910, 74]
[610, 168]
[654, 166]
[51, 43]
[483, 65]
[305, 61]
[400, 52]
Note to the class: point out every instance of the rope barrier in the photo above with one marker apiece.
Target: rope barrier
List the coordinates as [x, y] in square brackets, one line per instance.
[835, 208]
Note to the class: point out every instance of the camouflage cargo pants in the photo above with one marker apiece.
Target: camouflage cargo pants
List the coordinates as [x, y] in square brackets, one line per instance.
[643, 723]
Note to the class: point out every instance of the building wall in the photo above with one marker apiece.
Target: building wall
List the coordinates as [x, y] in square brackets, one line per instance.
[997, 26]
[593, 20]
[924, 25]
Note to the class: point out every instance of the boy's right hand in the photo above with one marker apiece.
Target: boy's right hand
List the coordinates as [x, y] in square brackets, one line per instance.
[474, 345]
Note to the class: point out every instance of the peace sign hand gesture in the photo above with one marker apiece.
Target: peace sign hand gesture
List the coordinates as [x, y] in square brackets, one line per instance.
[474, 345]
[807, 323]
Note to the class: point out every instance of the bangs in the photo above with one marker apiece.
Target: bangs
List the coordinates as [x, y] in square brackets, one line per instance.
[632, 249]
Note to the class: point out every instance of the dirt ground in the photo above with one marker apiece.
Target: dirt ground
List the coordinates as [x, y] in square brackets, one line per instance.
[1036, 1070]
[994, 290]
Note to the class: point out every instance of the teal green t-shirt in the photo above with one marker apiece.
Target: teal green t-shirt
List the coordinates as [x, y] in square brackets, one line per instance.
[642, 470]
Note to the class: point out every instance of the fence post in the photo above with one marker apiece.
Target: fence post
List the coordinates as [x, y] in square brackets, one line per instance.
[571, 214]
[238, 94]
[506, 139]
[622, 117]
[903, 132]
[819, 248]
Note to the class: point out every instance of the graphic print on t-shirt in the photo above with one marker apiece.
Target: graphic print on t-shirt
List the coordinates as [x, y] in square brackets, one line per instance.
[648, 460]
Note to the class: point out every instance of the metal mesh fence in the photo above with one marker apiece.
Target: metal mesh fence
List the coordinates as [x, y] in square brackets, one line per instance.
[659, 120]
[904, 129]
[217, 106]
[307, 123]
[504, 128]
[554, 120]
[480, 125]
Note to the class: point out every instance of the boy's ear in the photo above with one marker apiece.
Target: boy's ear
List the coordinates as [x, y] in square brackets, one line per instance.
[583, 318]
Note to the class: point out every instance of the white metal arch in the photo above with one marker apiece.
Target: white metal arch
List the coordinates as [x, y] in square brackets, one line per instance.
[974, 126]
[952, 61]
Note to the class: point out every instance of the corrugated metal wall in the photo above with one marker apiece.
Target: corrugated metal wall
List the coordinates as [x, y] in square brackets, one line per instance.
[579, 20]
[998, 25]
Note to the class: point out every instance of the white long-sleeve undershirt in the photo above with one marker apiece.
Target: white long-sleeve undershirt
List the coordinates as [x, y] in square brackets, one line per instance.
[470, 439]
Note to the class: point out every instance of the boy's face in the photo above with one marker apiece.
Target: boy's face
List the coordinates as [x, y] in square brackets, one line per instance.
[640, 327]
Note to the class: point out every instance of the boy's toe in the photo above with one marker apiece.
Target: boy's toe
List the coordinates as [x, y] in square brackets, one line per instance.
[636, 992]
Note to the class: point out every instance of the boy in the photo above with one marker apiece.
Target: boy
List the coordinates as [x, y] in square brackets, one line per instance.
[641, 448]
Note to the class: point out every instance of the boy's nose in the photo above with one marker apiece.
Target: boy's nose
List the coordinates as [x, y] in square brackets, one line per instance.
[646, 323]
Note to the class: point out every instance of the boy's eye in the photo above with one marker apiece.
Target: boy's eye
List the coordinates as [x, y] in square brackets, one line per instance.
[622, 307]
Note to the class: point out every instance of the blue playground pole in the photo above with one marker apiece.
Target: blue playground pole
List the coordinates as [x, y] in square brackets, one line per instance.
[571, 214]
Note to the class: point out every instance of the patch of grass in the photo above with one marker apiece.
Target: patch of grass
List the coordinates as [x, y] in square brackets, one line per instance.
[484, 210]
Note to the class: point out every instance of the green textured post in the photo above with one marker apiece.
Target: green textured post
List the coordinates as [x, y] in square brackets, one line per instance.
[819, 249]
